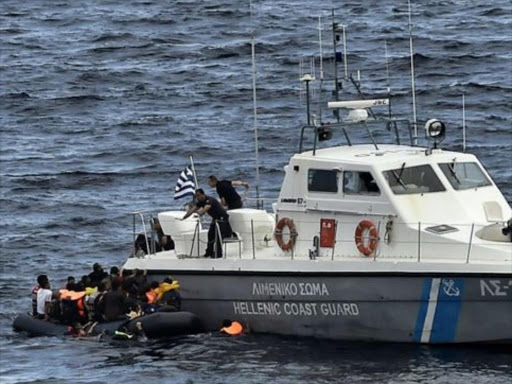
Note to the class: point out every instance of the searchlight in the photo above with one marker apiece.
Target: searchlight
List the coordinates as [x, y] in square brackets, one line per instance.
[435, 130]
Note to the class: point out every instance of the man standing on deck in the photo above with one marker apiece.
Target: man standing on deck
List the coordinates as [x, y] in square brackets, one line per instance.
[228, 195]
[207, 204]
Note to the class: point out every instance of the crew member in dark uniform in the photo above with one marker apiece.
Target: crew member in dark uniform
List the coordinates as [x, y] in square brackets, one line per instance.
[208, 204]
[228, 195]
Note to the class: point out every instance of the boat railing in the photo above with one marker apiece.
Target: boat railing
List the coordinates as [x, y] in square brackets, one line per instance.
[323, 132]
[395, 240]
[416, 241]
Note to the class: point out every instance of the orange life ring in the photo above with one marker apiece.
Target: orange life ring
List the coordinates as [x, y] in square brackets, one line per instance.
[366, 250]
[285, 222]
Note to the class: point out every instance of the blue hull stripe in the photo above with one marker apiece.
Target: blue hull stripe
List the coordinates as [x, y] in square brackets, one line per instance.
[422, 313]
[447, 312]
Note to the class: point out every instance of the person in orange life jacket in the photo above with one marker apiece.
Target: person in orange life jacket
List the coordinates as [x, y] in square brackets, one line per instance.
[150, 304]
[73, 305]
[208, 204]
[40, 281]
[233, 328]
[228, 195]
[44, 299]
[151, 294]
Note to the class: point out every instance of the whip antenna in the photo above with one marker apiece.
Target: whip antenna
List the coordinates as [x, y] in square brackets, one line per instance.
[321, 68]
[345, 60]
[255, 111]
[335, 39]
[463, 123]
[413, 86]
[387, 76]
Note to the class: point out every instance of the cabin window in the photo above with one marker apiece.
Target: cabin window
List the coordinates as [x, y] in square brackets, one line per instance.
[464, 175]
[413, 180]
[359, 183]
[323, 180]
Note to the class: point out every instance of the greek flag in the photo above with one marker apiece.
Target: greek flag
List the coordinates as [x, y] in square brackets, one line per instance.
[185, 185]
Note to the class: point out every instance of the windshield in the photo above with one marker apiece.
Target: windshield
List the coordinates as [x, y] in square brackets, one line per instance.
[464, 175]
[412, 180]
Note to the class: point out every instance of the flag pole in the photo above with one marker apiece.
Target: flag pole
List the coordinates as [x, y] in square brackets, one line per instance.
[193, 170]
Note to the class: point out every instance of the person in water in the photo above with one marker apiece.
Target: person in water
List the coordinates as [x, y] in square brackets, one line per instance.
[208, 204]
[228, 195]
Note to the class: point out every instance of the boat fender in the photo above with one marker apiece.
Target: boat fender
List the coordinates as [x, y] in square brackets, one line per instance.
[285, 222]
[373, 240]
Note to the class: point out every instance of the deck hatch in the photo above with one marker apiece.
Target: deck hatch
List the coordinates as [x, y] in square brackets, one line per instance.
[441, 229]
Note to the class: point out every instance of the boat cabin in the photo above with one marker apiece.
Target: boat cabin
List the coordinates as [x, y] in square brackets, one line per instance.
[405, 192]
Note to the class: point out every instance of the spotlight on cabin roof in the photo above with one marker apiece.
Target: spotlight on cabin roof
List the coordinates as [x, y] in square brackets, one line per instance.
[435, 129]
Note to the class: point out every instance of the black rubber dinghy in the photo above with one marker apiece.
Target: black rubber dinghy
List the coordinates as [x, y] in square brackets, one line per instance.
[155, 325]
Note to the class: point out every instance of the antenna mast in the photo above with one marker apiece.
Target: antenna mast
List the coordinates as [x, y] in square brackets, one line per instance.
[345, 59]
[387, 77]
[335, 38]
[413, 86]
[321, 68]
[255, 112]
[463, 123]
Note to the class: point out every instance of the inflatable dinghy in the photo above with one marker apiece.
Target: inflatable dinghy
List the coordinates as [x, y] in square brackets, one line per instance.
[155, 325]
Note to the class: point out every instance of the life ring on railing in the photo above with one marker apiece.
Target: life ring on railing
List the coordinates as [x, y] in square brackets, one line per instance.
[373, 240]
[285, 222]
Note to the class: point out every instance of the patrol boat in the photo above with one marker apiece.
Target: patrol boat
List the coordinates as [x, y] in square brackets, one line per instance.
[389, 242]
[367, 242]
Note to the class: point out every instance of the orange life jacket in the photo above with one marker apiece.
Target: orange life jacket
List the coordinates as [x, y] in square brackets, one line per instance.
[151, 295]
[234, 329]
[78, 298]
[80, 304]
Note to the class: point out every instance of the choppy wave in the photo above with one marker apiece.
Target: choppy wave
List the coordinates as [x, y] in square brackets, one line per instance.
[103, 104]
